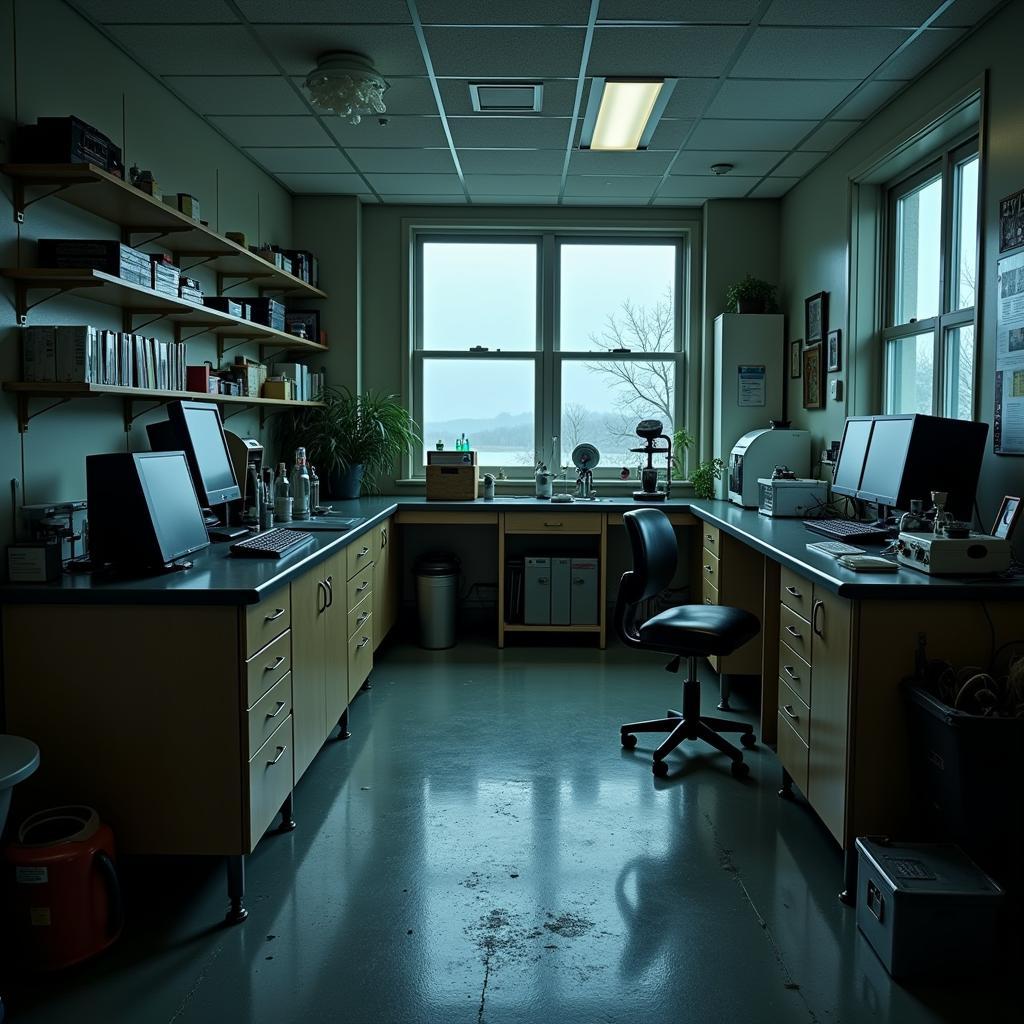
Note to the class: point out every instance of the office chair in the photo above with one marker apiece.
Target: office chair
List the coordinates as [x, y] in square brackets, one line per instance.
[689, 631]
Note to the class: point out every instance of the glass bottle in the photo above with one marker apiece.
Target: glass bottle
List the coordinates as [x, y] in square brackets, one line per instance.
[282, 496]
[314, 490]
[300, 485]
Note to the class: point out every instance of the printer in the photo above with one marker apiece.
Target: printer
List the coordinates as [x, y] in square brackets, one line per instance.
[758, 452]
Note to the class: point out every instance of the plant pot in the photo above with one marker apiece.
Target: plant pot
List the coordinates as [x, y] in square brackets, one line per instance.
[750, 305]
[347, 483]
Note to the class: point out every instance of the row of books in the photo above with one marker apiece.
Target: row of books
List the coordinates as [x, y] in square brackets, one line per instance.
[81, 354]
[308, 384]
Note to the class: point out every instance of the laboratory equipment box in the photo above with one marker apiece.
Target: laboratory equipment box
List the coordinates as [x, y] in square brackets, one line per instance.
[537, 592]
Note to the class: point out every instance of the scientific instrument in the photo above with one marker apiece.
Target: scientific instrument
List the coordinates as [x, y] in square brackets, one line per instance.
[652, 431]
[585, 457]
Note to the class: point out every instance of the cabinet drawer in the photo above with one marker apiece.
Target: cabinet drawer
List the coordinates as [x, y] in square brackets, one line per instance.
[793, 753]
[795, 592]
[554, 522]
[709, 593]
[711, 538]
[359, 554]
[267, 620]
[360, 586]
[270, 779]
[795, 672]
[709, 568]
[358, 614]
[264, 669]
[360, 657]
[793, 709]
[796, 633]
[269, 711]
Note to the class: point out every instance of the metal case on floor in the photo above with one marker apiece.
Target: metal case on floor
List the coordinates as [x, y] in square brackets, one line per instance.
[584, 592]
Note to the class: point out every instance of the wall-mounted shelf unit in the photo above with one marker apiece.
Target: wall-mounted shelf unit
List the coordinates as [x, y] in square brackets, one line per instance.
[59, 394]
[137, 214]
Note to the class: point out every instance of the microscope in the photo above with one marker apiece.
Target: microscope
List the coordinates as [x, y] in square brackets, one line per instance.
[652, 432]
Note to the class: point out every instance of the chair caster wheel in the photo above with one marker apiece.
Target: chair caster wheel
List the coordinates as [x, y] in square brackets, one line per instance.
[740, 770]
[749, 740]
[659, 768]
[628, 740]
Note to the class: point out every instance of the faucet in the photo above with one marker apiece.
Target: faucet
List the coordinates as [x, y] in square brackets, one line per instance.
[585, 484]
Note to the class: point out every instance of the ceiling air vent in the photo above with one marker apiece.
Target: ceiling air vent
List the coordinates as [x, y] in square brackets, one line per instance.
[506, 97]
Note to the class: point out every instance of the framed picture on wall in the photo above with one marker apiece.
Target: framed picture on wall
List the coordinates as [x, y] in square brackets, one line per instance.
[835, 351]
[814, 378]
[816, 318]
[1006, 517]
[796, 358]
[305, 320]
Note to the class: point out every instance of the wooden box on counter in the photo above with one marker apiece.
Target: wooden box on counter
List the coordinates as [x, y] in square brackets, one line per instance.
[453, 483]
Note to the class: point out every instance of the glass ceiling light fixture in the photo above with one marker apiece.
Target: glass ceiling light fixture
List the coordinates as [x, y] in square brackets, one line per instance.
[622, 113]
[348, 85]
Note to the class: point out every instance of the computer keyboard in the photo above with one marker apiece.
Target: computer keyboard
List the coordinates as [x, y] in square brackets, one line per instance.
[271, 544]
[847, 530]
[834, 548]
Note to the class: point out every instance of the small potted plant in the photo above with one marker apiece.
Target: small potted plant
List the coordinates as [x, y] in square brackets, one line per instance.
[704, 474]
[750, 295]
[351, 439]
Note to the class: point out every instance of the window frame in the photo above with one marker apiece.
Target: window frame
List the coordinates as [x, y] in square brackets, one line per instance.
[943, 165]
[548, 357]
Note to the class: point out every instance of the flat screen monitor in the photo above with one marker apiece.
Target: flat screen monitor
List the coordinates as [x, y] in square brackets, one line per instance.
[885, 460]
[171, 499]
[850, 464]
[199, 430]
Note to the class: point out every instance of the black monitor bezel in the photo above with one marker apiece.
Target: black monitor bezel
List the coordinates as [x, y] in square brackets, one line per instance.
[168, 557]
[888, 500]
[207, 498]
[851, 492]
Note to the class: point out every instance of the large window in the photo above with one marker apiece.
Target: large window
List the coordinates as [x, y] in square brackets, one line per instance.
[531, 344]
[932, 272]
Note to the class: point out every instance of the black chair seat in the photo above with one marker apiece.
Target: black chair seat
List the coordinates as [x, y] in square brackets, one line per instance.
[698, 629]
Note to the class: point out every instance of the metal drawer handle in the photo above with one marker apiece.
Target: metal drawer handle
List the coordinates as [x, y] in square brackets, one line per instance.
[362, 618]
[788, 708]
[281, 705]
[362, 551]
[708, 569]
[815, 628]
[278, 662]
[280, 754]
[788, 669]
[321, 587]
[362, 643]
[278, 612]
[793, 591]
[709, 537]
[793, 631]
[329, 583]
[362, 586]
[383, 538]
[552, 525]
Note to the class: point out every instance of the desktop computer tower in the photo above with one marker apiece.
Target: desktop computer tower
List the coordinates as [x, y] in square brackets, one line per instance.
[537, 592]
[584, 592]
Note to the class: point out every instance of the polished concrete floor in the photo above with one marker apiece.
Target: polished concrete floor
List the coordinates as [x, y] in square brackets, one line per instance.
[482, 850]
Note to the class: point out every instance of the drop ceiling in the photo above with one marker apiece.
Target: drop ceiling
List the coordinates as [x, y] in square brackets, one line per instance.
[769, 86]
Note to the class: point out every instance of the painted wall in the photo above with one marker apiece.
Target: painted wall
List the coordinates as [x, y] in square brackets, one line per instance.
[816, 220]
[95, 81]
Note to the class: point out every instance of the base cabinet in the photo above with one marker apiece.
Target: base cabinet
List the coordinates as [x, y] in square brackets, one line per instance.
[387, 568]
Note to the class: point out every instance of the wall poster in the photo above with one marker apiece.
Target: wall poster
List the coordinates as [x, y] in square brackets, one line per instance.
[1008, 428]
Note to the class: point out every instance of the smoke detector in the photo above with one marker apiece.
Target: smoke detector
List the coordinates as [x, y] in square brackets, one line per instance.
[719, 169]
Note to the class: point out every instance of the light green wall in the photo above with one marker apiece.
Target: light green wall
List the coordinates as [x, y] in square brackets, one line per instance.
[64, 66]
[816, 217]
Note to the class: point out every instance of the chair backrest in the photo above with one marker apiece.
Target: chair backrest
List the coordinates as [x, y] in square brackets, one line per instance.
[655, 555]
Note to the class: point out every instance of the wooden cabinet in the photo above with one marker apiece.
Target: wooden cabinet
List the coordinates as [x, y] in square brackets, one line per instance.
[732, 574]
[387, 582]
[335, 663]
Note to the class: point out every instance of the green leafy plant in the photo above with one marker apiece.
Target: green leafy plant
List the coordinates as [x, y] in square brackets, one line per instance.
[371, 430]
[704, 476]
[750, 295]
[682, 442]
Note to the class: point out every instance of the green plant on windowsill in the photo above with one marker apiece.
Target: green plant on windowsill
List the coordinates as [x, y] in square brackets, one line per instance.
[751, 295]
[704, 475]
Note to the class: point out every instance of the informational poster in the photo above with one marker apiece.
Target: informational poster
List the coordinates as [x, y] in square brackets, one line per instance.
[752, 386]
[1008, 429]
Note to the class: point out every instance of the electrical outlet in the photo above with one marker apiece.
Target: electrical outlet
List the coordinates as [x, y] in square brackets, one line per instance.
[835, 390]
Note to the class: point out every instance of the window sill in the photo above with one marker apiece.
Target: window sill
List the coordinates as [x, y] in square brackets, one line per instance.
[607, 488]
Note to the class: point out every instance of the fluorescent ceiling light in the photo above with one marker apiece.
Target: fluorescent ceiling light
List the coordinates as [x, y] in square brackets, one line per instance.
[623, 113]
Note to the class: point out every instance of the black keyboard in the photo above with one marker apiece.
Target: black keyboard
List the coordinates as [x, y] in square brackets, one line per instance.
[848, 529]
[272, 544]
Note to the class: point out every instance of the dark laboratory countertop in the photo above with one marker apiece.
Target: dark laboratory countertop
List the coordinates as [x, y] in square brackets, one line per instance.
[216, 578]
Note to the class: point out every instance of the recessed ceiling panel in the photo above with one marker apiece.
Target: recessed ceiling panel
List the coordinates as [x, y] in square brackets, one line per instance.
[510, 132]
[410, 96]
[828, 53]
[392, 49]
[713, 11]
[483, 53]
[670, 134]
[416, 184]
[403, 161]
[514, 184]
[869, 98]
[302, 159]
[925, 50]
[323, 184]
[796, 165]
[903, 13]
[512, 161]
[604, 185]
[487, 12]
[247, 94]
[777, 100]
[772, 188]
[829, 135]
[288, 12]
[272, 131]
[684, 186]
[657, 50]
[399, 131]
[184, 12]
[747, 135]
[744, 163]
[592, 161]
[689, 97]
[966, 13]
[557, 99]
[191, 50]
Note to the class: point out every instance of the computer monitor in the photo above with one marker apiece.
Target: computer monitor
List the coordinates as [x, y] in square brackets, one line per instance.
[199, 430]
[143, 510]
[850, 464]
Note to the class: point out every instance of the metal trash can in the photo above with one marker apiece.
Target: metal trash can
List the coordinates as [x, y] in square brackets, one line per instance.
[437, 584]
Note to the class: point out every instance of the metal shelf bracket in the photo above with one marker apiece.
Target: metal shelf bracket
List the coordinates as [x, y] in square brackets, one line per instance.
[21, 204]
[24, 416]
[130, 415]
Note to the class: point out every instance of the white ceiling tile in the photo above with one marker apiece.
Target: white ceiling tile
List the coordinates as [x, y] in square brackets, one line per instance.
[510, 132]
[603, 185]
[318, 160]
[185, 12]
[745, 163]
[656, 50]
[528, 53]
[189, 50]
[828, 53]
[904, 13]
[796, 165]
[870, 98]
[922, 52]
[690, 96]
[512, 161]
[442, 200]
[322, 184]
[772, 188]
[403, 161]
[966, 13]
[246, 94]
[670, 134]
[394, 48]
[722, 11]
[288, 12]
[704, 187]
[404, 132]
[522, 12]
[416, 184]
[556, 101]
[770, 98]
[272, 131]
[649, 161]
[504, 200]
[829, 135]
[747, 135]
[514, 184]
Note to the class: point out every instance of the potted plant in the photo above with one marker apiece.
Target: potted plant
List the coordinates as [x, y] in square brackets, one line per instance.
[750, 295]
[704, 474]
[350, 439]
